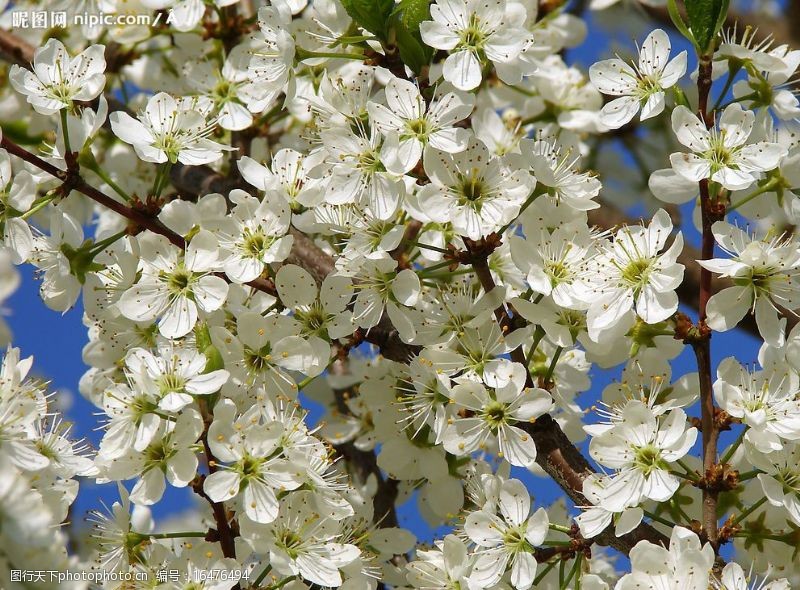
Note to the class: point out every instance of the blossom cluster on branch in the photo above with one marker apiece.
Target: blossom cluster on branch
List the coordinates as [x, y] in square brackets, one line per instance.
[394, 211]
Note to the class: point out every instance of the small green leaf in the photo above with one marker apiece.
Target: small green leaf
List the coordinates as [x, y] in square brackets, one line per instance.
[414, 53]
[413, 12]
[677, 20]
[705, 17]
[371, 15]
[679, 97]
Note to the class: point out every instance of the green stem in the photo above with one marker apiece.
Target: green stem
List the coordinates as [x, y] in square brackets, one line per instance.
[560, 528]
[429, 247]
[677, 507]
[531, 198]
[748, 512]
[749, 474]
[263, 575]
[537, 338]
[657, 518]
[546, 571]
[689, 474]
[436, 266]
[771, 184]
[573, 570]
[728, 83]
[37, 207]
[447, 275]
[301, 54]
[65, 131]
[181, 535]
[551, 369]
[732, 449]
[161, 180]
[103, 244]
[750, 96]
[110, 182]
[282, 583]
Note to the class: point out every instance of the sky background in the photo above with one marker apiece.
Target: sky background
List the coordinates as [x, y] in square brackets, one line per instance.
[56, 340]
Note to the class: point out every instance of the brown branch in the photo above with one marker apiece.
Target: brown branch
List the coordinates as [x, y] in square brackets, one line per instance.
[140, 218]
[700, 337]
[226, 536]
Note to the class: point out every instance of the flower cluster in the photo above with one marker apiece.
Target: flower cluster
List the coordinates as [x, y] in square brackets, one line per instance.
[339, 257]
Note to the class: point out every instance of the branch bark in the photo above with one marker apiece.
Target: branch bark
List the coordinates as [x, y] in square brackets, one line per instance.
[701, 336]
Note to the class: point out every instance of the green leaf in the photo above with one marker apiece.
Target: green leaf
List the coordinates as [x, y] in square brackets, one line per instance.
[705, 20]
[414, 53]
[677, 20]
[372, 15]
[413, 12]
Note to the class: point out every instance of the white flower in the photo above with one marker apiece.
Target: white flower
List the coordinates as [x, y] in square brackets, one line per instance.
[358, 175]
[445, 567]
[58, 79]
[473, 190]
[474, 31]
[301, 542]
[263, 349]
[641, 86]
[557, 176]
[496, 415]
[781, 480]
[685, 565]
[321, 312]
[234, 95]
[410, 125]
[594, 519]
[508, 537]
[168, 131]
[60, 287]
[764, 272]
[175, 287]
[249, 463]
[722, 154]
[288, 176]
[555, 263]
[17, 194]
[640, 448]
[734, 578]
[633, 271]
[380, 287]
[170, 456]
[178, 374]
[253, 235]
[273, 52]
[766, 402]
[121, 534]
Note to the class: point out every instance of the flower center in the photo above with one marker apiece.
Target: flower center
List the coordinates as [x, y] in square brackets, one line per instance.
[254, 244]
[636, 273]
[179, 281]
[418, 128]
[171, 382]
[258, 360]
[495, 414]
[471, 191]
[514, 539]
[473, 37]
[648, 459]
